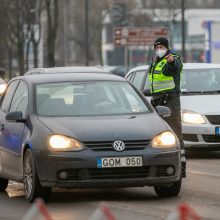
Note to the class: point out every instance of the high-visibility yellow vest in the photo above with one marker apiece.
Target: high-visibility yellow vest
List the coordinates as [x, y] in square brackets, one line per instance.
[159, 81]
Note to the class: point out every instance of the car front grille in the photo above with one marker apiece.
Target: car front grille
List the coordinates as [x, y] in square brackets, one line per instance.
[107, 146]
[115, 173]
[213, 119]
[211, 138]
[190, 137]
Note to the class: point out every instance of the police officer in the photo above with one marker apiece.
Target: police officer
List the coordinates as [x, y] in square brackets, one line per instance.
[164, 77]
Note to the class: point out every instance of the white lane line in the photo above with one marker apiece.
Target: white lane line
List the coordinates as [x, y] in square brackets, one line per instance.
[203, 173]
[10, 184]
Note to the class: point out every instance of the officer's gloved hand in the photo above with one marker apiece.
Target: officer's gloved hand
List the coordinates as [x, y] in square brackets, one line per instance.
[147, 92]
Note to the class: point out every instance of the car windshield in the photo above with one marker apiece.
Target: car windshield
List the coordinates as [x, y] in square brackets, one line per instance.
[200, 80]
[87, 98]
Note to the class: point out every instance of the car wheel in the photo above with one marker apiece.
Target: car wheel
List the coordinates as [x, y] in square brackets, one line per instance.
[171, 189]
[3, 184]
[32, 186]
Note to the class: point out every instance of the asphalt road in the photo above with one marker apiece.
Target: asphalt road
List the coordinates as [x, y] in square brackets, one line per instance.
[201, 190]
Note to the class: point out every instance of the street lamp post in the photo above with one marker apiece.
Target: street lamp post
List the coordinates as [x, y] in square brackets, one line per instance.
[183, 27]
[86, 34]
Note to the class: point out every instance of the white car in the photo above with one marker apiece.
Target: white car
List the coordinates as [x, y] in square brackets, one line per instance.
[200, 102]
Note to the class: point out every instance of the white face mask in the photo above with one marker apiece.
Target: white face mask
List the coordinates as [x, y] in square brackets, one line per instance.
[160, 52]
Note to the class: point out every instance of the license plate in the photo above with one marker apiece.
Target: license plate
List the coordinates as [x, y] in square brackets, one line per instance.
[217, 131]
[119, 162]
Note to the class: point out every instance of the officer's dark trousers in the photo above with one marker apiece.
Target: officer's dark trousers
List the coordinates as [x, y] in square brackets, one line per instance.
[172, 101]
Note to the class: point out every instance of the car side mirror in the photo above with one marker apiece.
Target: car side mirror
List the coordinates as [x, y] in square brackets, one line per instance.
[163, 111]
[15, 116]
[2, 72]
[147, 92]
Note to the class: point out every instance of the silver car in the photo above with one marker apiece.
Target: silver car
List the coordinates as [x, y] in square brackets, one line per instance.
[200, 102]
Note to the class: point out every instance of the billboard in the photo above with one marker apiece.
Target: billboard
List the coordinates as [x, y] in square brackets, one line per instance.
[137, 36]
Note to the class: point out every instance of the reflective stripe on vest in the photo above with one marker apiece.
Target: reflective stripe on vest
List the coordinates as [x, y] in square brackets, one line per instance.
[160, 81]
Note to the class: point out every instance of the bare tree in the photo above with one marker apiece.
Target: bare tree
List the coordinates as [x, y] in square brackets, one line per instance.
[96, 16]
[35, 9]
[97, 12]
[3, 36]
[19, 31]
[17, 24]
[52, 11]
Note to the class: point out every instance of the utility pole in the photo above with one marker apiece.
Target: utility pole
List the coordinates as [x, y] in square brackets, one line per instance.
[183, 28]
[65, 37]
[86, 34]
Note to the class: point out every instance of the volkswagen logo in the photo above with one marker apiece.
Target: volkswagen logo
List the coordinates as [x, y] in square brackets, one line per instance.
[119, 145]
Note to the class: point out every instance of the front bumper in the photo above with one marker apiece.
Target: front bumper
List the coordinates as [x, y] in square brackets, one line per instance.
[201, 136]
[82, 172]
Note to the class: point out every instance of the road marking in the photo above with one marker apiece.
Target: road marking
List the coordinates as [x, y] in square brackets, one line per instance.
[14, 183]
[203, 173]
[11, 183]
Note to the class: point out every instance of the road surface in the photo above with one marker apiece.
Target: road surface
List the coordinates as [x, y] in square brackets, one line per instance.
[201, 190]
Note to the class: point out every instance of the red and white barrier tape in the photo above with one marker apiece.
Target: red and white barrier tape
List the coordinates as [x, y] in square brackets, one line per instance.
[184, 212]
[103, 212]
[37, 209]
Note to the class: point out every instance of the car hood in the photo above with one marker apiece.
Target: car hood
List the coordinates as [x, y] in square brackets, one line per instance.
[203, 104]
[129, 127]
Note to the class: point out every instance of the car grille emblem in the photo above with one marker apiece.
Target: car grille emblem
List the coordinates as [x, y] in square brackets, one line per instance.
[119, 145]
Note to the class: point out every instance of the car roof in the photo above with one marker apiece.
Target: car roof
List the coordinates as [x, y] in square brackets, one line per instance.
[72, 69]
[185, 66]
[138, 68]
[75, 77]
[201, 65]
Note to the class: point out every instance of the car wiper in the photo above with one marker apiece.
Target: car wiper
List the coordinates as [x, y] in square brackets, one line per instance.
[200, 92]
[214, 91]
[192, 92]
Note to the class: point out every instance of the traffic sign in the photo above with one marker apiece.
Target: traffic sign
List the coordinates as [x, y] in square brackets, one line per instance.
[134, 36]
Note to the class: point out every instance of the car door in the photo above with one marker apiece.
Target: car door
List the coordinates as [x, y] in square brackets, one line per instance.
[12, 133]
[4, 106]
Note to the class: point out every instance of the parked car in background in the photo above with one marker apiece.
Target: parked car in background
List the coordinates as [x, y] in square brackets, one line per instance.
[117, 70]
[84, 130]
[200, 95]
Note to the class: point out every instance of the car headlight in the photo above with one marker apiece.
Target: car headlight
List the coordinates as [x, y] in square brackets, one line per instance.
[63, 143]
[192, 117]
[2, 88]
[166, 139]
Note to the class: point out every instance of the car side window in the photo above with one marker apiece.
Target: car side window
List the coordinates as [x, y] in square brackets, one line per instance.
[147, 83]
[131, 77]
[20, 99]
[6, 99]
[138, 79]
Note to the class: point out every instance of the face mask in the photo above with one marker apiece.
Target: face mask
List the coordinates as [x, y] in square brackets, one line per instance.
[160, 53]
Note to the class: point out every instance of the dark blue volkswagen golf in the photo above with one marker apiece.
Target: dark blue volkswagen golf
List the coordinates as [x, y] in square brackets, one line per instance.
[84, 130]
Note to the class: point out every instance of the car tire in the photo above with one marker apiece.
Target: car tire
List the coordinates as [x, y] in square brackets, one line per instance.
[171, 189]
[32, 186]
[3, 184]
